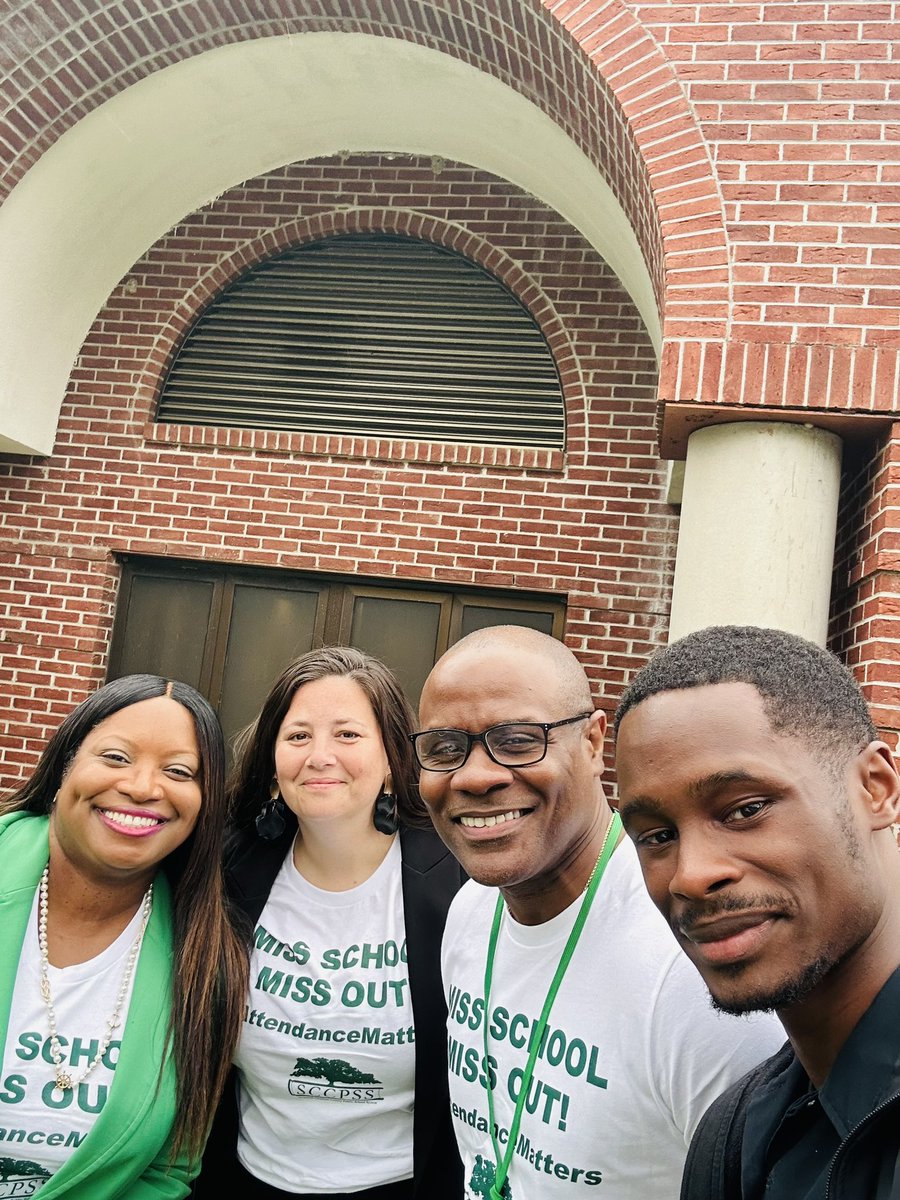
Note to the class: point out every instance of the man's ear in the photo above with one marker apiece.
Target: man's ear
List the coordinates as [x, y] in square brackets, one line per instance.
[596, 733]
[881, 781]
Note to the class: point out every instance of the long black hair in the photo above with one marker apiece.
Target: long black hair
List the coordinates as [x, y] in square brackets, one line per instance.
[210, 971]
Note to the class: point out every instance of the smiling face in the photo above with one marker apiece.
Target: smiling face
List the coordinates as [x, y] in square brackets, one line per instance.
[524, 828]
[330, 760]
[131, 794]
[766, 859]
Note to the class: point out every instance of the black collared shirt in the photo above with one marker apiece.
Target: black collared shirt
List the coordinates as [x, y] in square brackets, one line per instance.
[793, 1131]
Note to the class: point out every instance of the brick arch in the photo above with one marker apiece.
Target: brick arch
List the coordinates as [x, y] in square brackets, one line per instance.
[601, 78]
[303, 231]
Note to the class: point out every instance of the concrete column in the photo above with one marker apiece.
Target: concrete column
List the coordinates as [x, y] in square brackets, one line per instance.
[758, 525]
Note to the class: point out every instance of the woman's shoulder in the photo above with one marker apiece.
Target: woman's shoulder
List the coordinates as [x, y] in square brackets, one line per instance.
[423, 850]
[22, 826]
[23, 850]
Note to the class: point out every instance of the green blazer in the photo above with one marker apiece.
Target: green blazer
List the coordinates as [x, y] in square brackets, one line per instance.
[126, 1152]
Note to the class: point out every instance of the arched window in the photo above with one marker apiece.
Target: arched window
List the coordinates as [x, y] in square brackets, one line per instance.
[370, 336]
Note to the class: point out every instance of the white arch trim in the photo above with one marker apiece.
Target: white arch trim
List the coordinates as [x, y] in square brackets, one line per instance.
[137, 165]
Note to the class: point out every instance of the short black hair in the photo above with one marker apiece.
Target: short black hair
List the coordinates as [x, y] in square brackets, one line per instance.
[806, 691]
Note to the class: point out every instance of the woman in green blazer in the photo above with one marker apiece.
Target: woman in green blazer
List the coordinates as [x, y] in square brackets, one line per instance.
[121, 978]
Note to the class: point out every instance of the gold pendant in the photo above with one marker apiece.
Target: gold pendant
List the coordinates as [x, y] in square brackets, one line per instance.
[63, 1081]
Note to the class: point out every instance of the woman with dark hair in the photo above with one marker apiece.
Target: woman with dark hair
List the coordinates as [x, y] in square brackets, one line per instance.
[123, 982]
[342, 1065]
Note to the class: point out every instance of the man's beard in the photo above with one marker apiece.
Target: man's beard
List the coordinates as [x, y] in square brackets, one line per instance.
[789, 992]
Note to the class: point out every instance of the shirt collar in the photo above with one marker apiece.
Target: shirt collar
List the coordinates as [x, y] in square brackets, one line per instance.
[866, 1072]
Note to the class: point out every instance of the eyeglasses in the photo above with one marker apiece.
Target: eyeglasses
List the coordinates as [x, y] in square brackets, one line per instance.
[516, 744]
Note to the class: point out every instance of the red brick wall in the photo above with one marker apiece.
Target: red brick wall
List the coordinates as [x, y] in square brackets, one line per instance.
[800, 105]
[865, 627]
[753, 145]
[758, 140]
[590, 524]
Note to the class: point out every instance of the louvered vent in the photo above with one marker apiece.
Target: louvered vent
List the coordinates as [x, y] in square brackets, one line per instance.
[374, 336]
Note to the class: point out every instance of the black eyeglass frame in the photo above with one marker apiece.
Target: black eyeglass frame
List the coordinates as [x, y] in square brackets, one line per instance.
[472, 738]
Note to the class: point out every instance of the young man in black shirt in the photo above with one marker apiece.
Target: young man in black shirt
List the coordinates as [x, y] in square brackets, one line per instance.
[761, 800]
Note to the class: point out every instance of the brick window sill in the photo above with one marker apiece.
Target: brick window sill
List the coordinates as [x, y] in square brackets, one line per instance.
[272, 441]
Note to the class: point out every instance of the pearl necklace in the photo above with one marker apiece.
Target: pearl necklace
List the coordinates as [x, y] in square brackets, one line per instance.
[64, 1079]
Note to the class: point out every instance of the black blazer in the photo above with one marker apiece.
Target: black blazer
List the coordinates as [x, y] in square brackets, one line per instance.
[431, 877]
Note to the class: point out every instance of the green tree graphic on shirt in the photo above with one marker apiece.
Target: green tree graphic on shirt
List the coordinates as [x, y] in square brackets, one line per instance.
[334, 1070]
[482, 1179]
[20, 1168]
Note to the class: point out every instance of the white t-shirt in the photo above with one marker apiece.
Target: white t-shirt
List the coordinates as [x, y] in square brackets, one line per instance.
[633, 1053]
[39, 1125]
[327, 1049]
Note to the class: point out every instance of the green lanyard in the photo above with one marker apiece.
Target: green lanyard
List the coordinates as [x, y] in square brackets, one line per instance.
[503, 1161]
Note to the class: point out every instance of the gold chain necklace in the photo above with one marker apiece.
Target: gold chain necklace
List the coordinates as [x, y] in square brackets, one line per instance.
[64, 1079]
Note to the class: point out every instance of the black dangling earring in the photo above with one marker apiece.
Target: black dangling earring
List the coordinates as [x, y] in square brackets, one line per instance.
[385, 818]
[270, 818]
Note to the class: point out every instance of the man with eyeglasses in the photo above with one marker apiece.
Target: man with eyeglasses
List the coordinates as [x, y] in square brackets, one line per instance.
[582, 1046]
